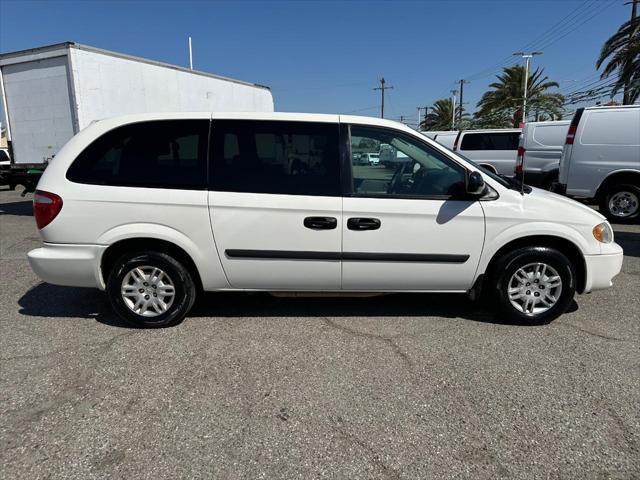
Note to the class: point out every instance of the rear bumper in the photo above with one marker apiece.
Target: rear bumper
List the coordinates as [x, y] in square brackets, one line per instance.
[601, 269]
[70, 265]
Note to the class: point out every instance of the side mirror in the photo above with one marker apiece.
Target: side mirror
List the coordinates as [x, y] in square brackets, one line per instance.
[475, 184]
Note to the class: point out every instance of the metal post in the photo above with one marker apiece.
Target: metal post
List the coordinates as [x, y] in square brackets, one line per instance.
[453, 109]
[462, 82]
[190, 55]
[527, 57]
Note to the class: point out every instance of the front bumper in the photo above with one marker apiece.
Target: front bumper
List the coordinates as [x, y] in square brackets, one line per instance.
[70, 265]
[602, 268]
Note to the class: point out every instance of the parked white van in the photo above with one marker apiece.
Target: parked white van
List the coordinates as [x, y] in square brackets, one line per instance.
[156, 208]
[601, 160]
[539, 152]
[494, 149]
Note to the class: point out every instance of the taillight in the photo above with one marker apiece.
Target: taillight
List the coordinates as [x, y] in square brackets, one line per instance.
[46, 206]
[455, 143]
[573, 128]
[571, 134]
[520, 160]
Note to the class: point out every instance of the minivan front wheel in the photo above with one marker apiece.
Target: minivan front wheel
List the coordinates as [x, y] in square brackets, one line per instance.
[534, 285]
[150, 289]
[621, 203]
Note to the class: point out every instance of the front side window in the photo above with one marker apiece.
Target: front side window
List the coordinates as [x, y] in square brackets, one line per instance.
[405, 166]
[490, 141]
[157, 154]
[278, 157]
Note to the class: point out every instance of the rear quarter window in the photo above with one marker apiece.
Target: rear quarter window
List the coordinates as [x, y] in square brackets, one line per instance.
[490, 141]
[157, 154]
[617, 127]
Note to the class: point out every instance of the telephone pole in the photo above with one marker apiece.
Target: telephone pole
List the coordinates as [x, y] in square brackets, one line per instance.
[462, 82]
[527, 57]
[382, 88]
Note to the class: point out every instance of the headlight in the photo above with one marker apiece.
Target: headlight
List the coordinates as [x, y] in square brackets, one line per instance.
[603, 232]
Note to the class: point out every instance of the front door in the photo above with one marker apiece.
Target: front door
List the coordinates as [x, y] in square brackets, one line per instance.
[275, 204]
[406, 223]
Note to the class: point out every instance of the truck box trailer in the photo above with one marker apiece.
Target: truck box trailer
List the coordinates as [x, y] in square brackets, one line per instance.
[51, 93]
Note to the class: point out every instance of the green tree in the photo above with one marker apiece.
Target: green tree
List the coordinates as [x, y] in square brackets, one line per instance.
[623, 52]
[440, 116]
[505, 100]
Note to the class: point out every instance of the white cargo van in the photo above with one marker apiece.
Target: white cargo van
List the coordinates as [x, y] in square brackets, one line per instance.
[601, 160]
[494, 149]
[539, 152]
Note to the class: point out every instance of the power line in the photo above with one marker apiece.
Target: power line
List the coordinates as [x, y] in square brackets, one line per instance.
[588, 10]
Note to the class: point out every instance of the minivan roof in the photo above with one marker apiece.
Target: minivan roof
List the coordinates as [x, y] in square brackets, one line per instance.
[284, 116]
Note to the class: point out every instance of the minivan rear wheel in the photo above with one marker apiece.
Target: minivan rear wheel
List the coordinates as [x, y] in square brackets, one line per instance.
[533, 285]
[621, 203]
[150, 289]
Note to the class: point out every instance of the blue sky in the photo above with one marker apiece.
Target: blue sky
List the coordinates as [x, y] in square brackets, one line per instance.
[326, 56]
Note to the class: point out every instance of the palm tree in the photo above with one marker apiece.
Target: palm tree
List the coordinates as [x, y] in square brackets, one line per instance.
[505, 100]
[623, 52]
[440, 117]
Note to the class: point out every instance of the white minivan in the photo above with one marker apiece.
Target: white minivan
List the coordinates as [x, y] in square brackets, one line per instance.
[156, 208]
[600, 161]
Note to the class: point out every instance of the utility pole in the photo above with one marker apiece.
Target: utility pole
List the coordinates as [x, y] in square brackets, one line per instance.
[626, 96]
[382, 88]
[527, 57]
[462, 82]
[453, 109]
[422, 119]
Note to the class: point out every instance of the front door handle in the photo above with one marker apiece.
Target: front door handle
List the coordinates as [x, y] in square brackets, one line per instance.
[321, 223]
[363, 224]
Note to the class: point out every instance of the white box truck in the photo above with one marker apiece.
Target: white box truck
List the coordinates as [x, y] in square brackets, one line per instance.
[51, 93]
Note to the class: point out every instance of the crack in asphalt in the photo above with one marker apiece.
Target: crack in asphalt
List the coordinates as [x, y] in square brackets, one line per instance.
[109, 343]
[372, 336]
[372, 456]
[591, 332]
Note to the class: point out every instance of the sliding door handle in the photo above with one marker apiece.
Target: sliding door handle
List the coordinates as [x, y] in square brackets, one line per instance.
[321, 223]
[363, 224]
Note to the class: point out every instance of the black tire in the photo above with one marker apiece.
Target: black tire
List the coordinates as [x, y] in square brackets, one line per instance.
[185, 289]
[510, 263]
[633, 190]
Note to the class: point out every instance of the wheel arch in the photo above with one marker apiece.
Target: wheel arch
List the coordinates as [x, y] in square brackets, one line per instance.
[117, 249]
[489, 167]
[563, 245]
[618, 177]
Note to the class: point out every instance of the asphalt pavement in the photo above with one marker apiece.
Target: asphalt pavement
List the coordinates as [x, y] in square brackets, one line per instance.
[251, 386]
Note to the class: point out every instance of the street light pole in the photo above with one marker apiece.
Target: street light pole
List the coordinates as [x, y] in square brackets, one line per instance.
[527, 57]
[453, 109]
